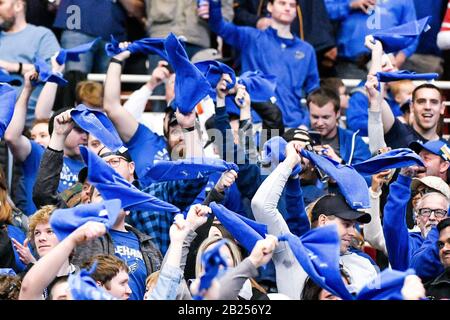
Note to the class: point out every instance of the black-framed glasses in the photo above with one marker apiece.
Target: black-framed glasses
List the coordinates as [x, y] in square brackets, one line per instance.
[438, 213]
[115, 162]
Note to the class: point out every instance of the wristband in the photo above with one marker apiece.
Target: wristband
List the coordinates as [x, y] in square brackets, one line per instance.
[114, 60]
[20, 68]
[190, 129]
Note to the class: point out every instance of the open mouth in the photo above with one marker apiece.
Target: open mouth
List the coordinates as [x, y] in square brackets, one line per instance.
[427, 115]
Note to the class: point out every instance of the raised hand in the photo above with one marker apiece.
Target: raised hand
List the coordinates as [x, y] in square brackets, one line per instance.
[226, 180]
[159, 75]
[197, 215]
[24, 252]
[263, 250]
[89, 231]
[221, 87]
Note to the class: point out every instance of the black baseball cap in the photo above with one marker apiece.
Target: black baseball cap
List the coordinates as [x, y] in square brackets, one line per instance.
[335, 205]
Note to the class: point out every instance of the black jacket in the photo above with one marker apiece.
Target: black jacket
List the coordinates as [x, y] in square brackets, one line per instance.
[439, 288]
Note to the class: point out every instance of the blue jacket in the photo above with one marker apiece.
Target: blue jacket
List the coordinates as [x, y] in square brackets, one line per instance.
[292, 61]
[313, 25]
[352, 147]
[338, 9]
[356, 25]
[426, 260]
[400, 244]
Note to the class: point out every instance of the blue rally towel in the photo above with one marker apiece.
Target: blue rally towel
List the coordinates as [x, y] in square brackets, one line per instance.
[351, 184]
[65, 221]
[8, 97]
[186, 169]
[397, 158]
[213, 70]
[212, 261]
[144, 46]
[5, 77]
[400, 37]
[83, 287]
[46, 74]
[112, 186]
[191, 86]
[404, 75]
[318, 253]
[246, 231]
[98, 124]
[386, 286]
[275, 152]
[261, 87]
[73, 54]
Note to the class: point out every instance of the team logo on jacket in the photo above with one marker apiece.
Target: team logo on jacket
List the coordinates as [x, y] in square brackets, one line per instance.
[299, 55]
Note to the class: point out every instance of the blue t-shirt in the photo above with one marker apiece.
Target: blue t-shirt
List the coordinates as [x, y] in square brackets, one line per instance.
[24, 46]
[68, 177]
[30, 169]
[126, 247]
[145, 147]
[69, 173]
[96, 18]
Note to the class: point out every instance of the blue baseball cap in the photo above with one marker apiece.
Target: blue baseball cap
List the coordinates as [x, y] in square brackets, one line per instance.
[437, 147]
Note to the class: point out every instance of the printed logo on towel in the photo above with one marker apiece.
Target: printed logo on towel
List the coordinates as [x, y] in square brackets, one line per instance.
[299, 55]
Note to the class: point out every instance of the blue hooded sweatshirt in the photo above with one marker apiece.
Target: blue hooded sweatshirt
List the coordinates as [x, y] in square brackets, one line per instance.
[292, 61]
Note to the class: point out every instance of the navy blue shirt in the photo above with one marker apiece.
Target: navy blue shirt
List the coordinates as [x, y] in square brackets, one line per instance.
[126, 247]
[96, 18]
[292, 61]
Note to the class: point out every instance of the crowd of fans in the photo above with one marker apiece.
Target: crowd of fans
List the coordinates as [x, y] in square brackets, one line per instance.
[269, 179]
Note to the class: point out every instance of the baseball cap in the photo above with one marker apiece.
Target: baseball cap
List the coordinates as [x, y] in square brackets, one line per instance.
[437, 147]
[431, 182]
[335, 205]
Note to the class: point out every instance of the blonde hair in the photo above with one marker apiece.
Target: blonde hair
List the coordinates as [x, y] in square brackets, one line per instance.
[5, 207]
[234, 249]
[90, 92]
[396, 86]
[42, 216]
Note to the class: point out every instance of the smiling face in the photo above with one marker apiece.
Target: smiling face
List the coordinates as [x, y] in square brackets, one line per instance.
[324, 119]
[427, 107]
[44, 238]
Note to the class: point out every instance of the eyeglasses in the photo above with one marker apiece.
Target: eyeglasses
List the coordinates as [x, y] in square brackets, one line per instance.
[114, 162]
[438, 213]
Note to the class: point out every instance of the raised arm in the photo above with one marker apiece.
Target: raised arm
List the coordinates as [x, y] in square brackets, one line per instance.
[232, 281]
[374, 89]
[137, 101]
[47, 96]
[290, 275]
[45, 190]
[124, 122]
[19, 144]
[373, 231]
[394, 220]
[46, 269]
